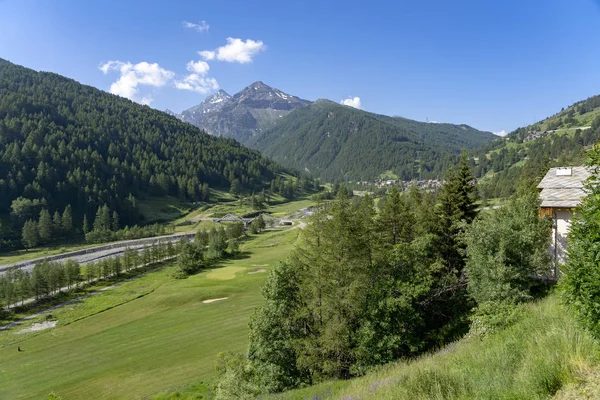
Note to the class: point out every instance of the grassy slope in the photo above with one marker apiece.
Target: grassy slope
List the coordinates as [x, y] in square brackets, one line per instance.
[542, 353]
[166, 338]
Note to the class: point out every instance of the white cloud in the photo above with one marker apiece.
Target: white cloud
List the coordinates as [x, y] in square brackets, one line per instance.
[197, 80]
[352, 102]
[207, 54]
[201, 27]
[134, 75]
[198, 67]
[501, 133]
[197, 83]
[236, 50]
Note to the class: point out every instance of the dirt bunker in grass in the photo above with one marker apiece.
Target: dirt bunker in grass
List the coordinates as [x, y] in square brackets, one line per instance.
[213, 300]
[40, 326]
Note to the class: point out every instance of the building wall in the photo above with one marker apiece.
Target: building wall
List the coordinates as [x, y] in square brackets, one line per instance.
[561, 222]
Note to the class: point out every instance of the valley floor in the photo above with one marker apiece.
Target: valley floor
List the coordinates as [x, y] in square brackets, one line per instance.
[144, 336]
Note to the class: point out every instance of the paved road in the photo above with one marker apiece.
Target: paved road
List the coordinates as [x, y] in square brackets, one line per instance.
[97, 253]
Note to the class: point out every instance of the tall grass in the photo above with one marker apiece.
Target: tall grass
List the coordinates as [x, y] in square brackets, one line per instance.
[542, 353]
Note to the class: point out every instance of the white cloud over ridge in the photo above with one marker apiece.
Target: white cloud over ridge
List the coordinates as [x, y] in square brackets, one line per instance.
[501, 133]
[197, 81]
[201, 27]
[352, 102]
[236, 50]
[198, 67]
[134, 75]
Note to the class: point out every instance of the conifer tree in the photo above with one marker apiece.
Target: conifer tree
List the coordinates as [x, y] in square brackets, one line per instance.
[115, 221]
[102, 220]
[396, 222]
[456, 206]
[45, 226]
[86, 225]
[67, 220]
[56, 223]
[30, 235]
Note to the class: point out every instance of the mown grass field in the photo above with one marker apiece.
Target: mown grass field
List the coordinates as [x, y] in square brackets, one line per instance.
[145, 336]
[544, 354]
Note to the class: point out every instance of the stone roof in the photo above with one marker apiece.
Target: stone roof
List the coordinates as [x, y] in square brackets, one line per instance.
[563, 187]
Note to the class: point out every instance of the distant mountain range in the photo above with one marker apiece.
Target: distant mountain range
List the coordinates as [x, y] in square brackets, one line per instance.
[329, 140]
[244, 115]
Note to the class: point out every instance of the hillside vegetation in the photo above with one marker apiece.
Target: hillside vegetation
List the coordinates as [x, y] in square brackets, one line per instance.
[559, 140]
[66, 145]
[543, 354]
[336, 142]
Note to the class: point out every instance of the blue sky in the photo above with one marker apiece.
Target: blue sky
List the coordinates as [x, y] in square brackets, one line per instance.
[495, 65]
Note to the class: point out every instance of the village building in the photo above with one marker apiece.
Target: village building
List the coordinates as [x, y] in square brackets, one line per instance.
[561, 192]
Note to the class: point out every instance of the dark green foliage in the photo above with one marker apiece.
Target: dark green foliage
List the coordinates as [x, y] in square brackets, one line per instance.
[102, 220]
[190, 259]
[217, 244]
[335, 142]
[233, 230]
[208, 247]
[505, 250]
[45, 226]
[363, 288]
[271, 351]
[63, 143]
[257, 225]
[30, 235]
[396, 222]
[67, 221]
[581, 273]
[456, 205]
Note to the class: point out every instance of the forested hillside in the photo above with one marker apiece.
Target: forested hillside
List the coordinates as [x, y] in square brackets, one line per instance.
[66, 146]
[336, 142]
[528, 152]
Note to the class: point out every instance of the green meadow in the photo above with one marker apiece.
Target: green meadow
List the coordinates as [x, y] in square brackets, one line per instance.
[149, 335]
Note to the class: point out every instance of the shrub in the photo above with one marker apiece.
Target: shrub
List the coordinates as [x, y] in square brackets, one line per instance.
[505, 249]
[581, 274]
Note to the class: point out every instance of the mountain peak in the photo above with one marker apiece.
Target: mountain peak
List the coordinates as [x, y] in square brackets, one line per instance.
[249, 112]
[259, 84]
[217, 97]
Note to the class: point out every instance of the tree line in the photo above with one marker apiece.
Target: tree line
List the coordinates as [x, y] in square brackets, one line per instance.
[49, 278]
[208, 247]
[51, 229]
